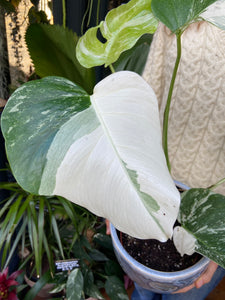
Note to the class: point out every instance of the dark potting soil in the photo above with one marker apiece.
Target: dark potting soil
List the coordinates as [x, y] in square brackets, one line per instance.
[157, 255]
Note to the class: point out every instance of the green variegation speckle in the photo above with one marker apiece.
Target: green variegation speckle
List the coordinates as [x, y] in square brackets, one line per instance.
[149, 202]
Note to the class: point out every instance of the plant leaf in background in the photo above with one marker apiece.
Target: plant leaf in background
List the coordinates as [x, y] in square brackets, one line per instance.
[90, 288]
[126, 23]
[8, 6]
[52, 50]
[215, 14]
[112, 268]
[202, 215]
[135, 59]
[28, 220]
[115, 289]
[74, 285]
[178, 14]
[94, 153]
[104, 241]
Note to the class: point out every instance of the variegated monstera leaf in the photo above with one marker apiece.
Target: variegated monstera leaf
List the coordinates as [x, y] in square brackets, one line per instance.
[102, 152]
[124, 25]
[203, 225]
[121, 29]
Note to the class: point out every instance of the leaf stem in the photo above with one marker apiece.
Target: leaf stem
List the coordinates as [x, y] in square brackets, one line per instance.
[90, 13]
[64, 13]
[112, 68]
[169, 98]
[98, 10]
[212, 187]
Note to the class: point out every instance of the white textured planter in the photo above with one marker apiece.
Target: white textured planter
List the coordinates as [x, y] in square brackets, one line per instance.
[157, 281]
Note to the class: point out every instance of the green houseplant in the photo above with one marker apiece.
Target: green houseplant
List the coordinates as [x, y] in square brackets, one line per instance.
[97, 271]
[48, 230]
[46, 227]
[34, 219]
[106, 160]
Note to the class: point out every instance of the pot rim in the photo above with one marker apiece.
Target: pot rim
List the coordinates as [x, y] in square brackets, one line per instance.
[200, 265]
[181, 185]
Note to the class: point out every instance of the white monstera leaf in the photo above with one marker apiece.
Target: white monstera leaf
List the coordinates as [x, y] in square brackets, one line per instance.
[102, 152]
[184, 242]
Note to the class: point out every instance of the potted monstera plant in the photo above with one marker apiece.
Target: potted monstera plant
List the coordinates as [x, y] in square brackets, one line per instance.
[104, 151]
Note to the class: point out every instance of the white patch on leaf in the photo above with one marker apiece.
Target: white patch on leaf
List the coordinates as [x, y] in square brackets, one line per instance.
[183, 241]
[92, 176]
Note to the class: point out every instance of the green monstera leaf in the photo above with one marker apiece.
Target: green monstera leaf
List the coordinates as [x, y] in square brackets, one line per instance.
[178, 14]
[121, 29]
[102, 152]
[202, 217]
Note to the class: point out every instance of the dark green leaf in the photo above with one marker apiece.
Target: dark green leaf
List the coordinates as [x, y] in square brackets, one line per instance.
[41, 224]
[35, 248]
[98, 255]
[37, 16]
[20, 287]
[90, 288]
[70, 211]
[52, 49]
[48, 252]
[85, 243]
[74, 285]
[57, 235]
[103, 240]
[113, 268]
[7, 226]
[7, 205]
[93, 291]
[178, 14]
[115, 289]
[202, 214]
[7, 6]
[13, 246]
[80, 252]
[135, 58]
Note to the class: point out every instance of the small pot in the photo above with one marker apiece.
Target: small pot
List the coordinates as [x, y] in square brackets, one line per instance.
[31, 279]
[156, 281]
[44, 292]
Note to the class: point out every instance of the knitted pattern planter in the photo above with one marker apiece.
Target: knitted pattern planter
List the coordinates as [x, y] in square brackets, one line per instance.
[197, 115]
